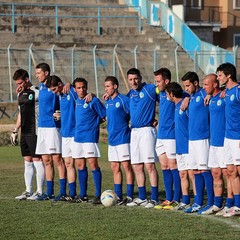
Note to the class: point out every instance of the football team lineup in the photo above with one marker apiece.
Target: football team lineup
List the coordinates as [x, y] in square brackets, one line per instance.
[186, 143]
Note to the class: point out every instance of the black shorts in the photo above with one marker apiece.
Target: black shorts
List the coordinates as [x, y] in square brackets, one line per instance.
[28, 146]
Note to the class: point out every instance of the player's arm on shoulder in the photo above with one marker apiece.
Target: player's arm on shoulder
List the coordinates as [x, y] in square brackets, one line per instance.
[89, 97]
[185, 103]
[207, 100]
[66, 88]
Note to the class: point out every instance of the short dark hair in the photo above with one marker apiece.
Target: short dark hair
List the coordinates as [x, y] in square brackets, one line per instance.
[191, 76]
[134, 71]
[228, 69]
[44, 66]
[112, 79]
[20, 74]
[175, 89]
[52, 81]
[80, 80]
[164, 72]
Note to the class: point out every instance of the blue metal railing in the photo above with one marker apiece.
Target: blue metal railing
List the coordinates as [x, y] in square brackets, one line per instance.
[55, 13]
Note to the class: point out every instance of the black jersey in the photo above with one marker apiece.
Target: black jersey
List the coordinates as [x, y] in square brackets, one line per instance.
[28, 105]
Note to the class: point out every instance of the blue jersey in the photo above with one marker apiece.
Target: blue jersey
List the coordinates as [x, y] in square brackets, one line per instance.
[217, 120]
[48, 104]
[199, 125]
[232, 113]
[166, 128]
[88, 116]
[118, 117]
[67, 107]
[142, 106]
[181, 129]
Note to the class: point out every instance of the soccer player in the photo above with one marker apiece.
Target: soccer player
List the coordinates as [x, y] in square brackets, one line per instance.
[226, 75]
[143, 137]
[166, 144]
[67, 117]
[117, 110]
[27, 121]
[199, 133]
[85, 148]
[49, 138]
[217, 154]
[175, 94]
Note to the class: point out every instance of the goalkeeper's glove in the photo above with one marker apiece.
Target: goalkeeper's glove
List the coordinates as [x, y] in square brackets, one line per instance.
[14, 137]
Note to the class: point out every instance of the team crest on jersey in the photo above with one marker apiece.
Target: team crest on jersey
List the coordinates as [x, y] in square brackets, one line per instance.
[106, 106]
[41, 88]
[219, 102]
[85, 105]
[68, 97]
[141, 95]
[232, 97]
[180, 111]
[30, 97]
[198, 99]
[117, 105]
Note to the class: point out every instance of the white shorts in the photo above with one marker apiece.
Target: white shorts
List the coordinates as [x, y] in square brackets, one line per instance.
[167, 146]
[49, 141]
[119, 153]
[232, 149]
[199, 153]
[183, 162]
[67, 146]
[217, 157]
[85, 150]
[142, 146]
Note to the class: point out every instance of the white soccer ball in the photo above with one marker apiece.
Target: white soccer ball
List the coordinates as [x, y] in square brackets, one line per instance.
[108, 198]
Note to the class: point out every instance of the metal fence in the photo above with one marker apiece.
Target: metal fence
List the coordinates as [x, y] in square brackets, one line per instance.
[93, 63]
[53, 14]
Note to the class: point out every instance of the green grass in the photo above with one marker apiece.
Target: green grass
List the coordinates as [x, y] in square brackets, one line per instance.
[46, 220]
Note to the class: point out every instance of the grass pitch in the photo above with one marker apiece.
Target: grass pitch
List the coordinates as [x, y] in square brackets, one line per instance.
[46, 220]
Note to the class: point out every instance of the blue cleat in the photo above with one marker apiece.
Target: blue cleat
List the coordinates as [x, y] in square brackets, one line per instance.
[45, 197]
[194, 208]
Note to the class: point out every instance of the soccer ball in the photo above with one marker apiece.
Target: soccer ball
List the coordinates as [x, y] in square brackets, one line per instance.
[108, 198]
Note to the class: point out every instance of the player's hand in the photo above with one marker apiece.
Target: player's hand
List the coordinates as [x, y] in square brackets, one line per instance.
[155, 123]
[14, 137]
[66, 88]
[185, 103]
[88, 98]
[105, 96]
[207, 100]
[57, 115]
[223, 94]
[19, 89]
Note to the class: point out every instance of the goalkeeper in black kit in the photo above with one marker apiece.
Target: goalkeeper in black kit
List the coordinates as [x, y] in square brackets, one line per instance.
[27, 122]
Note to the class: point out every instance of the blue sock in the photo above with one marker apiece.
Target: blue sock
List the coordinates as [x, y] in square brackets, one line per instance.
[236, 200]
[63, 183]
[186, 199]
[229, 202]
[208, 179]
[118, 190]
[177, 185]
[168, 184]
[154, 194]
[83, 182]
[142, 194]
[199, 183]
[50, 188]
[130, 190]
[195, 198]
[218, 201]
[97, 178]
[72, 189]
